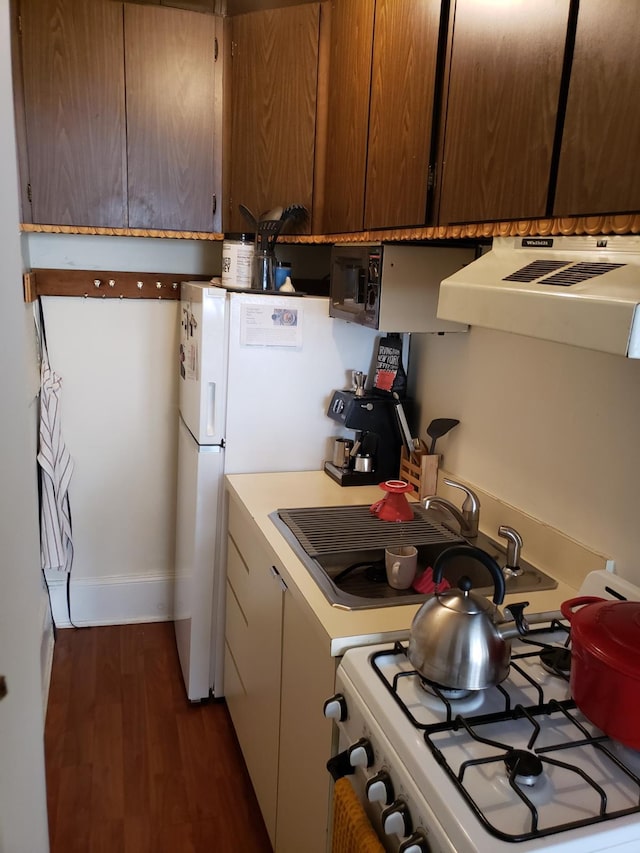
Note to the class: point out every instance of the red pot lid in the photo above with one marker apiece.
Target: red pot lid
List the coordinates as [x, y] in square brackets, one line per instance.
[611, 630]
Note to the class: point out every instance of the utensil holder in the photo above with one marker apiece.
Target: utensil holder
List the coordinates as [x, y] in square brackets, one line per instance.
[421, 470]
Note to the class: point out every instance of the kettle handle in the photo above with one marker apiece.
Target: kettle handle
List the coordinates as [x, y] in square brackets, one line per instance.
[477, 554]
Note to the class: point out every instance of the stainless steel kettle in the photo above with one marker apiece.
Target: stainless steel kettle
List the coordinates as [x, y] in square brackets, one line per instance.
[458, 638]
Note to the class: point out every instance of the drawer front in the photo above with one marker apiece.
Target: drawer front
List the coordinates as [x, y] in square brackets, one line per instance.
[238, 574]
[238, 637]
[252, 548]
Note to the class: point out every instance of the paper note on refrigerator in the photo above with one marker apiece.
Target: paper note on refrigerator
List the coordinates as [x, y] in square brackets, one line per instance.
[269, 324]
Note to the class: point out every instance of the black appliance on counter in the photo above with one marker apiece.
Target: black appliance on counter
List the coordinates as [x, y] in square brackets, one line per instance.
[377, 442]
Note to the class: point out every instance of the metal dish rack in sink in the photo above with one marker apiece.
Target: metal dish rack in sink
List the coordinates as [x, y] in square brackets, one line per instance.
[342, 547]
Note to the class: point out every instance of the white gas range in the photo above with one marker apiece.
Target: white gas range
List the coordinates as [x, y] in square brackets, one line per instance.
[515, 767]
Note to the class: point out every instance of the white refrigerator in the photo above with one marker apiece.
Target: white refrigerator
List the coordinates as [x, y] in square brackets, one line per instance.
[256, 376]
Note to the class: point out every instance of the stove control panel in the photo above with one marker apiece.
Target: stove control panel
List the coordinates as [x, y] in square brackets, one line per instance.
[401, 818]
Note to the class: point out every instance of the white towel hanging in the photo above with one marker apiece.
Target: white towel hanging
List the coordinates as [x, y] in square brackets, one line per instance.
[56, 468]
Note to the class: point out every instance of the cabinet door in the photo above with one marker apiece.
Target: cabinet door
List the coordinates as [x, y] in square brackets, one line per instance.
[73, 75]
[304, 785]
[599, 168]
[405, 51]
[274, 91]
[253, 648]
[502, 102]
[348, 114]
[171, 123]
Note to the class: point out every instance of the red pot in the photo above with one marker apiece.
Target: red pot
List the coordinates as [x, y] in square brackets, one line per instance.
[605, 664]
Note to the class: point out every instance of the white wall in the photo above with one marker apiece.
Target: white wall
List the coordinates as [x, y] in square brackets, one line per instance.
[118, 364]
[117, 359]
[23, 816]
[551, 429]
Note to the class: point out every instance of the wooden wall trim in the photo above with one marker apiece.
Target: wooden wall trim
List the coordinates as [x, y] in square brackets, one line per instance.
[620, 224]
[105, 284]
[624, 223]
[28, 228]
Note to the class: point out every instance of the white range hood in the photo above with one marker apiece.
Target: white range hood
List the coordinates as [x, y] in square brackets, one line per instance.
[583, 291]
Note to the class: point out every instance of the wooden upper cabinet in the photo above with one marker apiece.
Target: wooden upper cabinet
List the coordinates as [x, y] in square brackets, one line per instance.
[382, 83]
[274, 81]
[74, 104]
[501, 109]
[348, 114]
[403, 79]
[599, 169]
[171, 118]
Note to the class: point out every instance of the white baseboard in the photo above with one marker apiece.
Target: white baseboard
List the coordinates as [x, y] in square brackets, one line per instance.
[115, 600]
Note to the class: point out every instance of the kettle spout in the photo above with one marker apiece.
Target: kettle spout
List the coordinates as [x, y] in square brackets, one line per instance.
[519, 626]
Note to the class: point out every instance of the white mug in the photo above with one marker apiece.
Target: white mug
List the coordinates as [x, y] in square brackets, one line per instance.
[401, 562]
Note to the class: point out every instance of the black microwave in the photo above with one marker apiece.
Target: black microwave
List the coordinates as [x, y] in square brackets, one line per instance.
[393, 287]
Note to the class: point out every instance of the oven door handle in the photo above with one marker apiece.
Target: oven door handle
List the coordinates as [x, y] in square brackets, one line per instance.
[339, 766]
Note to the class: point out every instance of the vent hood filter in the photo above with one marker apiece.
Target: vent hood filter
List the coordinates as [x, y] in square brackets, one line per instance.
[583, 291]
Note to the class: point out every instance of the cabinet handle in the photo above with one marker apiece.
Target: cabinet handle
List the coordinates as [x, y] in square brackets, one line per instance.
[276, 574]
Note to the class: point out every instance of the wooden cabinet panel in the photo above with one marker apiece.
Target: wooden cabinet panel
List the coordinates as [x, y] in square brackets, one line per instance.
[171, 128]
[599, 169]
[502, 103]
[274, 90]
[73, 77]
[348, 114]
[405, 52]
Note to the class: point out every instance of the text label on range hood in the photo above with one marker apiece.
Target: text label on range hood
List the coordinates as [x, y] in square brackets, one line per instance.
[583, 291]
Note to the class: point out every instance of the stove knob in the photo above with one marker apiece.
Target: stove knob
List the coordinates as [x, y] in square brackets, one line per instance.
[396, 820]
[361, 753]
[416, 844]
[336, 708]
[380, 788]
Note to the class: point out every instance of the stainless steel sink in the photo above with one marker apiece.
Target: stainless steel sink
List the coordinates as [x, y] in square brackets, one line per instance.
[343, 550]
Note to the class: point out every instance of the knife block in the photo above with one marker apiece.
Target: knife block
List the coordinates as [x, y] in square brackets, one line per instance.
[421, 470]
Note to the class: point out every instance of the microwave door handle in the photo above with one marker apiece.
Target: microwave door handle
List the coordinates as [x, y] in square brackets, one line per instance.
[362, 286]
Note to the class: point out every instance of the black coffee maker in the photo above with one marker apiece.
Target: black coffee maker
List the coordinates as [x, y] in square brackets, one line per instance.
[375, 452]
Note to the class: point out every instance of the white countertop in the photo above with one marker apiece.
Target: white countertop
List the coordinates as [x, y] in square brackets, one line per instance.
[261, 494]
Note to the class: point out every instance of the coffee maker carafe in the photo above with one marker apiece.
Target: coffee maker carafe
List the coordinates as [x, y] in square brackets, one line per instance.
[374, 451]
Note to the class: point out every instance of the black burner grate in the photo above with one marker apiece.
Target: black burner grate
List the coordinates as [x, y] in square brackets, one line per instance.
[570, 736]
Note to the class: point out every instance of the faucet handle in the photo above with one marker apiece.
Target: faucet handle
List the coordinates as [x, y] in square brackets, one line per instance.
[471, 497]
[470, 505]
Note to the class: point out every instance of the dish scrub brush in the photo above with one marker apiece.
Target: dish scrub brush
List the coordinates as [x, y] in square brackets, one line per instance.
[424, 583]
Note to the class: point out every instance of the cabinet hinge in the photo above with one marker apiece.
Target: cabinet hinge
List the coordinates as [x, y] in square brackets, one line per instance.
[214, 204]
[29, 193]
[19, 25]
[431, 178]
[215, 49]
[234, 45]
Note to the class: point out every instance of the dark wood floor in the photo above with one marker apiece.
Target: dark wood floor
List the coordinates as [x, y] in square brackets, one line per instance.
[131, 765]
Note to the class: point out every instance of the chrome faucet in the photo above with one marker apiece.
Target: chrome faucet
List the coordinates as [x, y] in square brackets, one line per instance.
[468, 517]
